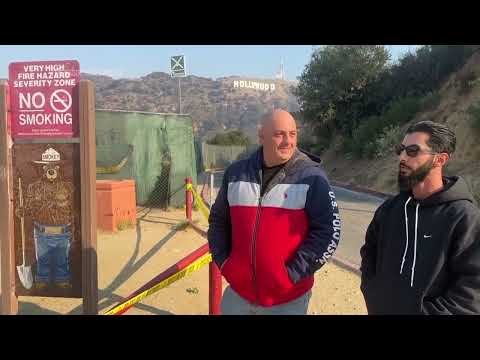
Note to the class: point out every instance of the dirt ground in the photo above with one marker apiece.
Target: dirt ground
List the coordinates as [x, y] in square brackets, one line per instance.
[130, 258]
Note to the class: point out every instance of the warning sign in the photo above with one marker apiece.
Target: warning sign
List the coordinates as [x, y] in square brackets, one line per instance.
[43, 99]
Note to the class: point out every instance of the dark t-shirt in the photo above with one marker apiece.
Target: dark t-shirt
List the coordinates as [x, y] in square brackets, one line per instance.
[267, 175]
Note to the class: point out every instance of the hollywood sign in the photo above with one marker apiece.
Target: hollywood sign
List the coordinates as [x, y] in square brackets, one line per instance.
[253, 85]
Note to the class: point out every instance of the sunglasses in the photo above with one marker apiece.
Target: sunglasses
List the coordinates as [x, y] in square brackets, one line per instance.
[411, 150]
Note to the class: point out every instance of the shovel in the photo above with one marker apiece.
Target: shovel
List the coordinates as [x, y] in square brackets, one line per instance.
[24, 272]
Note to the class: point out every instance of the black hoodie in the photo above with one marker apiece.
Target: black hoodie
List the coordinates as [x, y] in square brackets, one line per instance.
[423, 257]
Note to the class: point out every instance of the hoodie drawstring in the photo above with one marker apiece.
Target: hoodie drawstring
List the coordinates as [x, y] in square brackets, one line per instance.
[415, 247]
[406, 243]
[406, 230]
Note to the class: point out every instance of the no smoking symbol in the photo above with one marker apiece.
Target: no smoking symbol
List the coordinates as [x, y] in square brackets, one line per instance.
[61, 101]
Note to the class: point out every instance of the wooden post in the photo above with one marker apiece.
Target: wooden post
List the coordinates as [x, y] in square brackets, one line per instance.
[9, 303]
[88, 205]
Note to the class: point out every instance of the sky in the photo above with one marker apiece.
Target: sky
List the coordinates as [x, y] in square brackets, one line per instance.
[122, 61]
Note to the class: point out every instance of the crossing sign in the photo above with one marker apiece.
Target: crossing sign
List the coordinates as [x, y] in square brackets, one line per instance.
[177, 66]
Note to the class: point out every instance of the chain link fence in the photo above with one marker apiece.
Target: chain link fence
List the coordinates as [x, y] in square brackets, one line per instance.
[156, 150]
[215, 159]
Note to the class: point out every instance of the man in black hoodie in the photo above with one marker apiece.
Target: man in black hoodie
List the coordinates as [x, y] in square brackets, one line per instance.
[422, 249]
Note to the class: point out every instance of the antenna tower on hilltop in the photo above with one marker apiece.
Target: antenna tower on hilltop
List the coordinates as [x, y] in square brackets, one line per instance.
[281, 72]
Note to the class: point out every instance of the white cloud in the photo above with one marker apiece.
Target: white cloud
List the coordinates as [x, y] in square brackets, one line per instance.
[113, 73]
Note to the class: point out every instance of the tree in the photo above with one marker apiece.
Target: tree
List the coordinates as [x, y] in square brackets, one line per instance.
[420, 73]
[233, 137]
[356, 91]
[331, 87]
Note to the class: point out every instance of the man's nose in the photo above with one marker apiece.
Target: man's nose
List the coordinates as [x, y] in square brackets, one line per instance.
[403, 156]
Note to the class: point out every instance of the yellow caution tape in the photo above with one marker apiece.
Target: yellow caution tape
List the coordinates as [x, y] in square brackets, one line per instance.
[115, 168]
[197, 264]
[112, 169]
[201, 205]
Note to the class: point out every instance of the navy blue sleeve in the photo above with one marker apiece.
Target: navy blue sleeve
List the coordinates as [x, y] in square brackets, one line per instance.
[220, 226]
[323, 234]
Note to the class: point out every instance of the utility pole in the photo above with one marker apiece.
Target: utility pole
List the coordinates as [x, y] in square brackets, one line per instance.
[179, 97]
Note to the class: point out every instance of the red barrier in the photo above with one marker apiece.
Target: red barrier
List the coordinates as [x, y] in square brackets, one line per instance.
[214, 281]
[182, 264]
[188, 200]
[214, 276]
[215, 289]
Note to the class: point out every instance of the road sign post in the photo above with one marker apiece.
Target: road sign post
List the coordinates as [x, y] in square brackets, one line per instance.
[177, 68]
[179, 97]
[88, 199]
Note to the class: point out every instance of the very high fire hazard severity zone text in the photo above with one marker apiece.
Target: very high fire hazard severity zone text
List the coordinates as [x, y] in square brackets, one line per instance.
[42, 96]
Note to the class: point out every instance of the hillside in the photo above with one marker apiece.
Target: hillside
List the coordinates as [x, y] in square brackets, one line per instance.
[452, 109]
[213, 104]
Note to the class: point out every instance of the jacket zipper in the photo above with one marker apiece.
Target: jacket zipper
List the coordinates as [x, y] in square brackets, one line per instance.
[255, 230]
[257, 220]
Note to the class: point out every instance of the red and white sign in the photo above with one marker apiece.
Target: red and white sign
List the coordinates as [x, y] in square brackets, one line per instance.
[44, 99]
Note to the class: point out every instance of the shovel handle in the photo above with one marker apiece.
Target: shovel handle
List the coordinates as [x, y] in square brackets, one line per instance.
[22, 221]
[20, 192]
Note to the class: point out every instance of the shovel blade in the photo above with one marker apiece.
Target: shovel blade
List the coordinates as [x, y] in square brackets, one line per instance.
[25, 276]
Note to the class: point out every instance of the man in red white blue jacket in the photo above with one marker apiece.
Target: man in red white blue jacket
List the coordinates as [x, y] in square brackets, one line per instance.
[274, 223]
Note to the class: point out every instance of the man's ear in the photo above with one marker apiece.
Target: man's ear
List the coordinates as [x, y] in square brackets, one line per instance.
[442, 159]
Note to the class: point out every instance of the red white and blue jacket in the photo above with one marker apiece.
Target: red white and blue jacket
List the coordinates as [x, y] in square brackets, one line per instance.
[268, 247]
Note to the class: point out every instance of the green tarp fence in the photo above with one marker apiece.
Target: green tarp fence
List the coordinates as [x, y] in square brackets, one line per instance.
[156, 150]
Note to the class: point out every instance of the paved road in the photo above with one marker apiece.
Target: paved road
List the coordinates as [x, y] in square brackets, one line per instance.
[356, 212]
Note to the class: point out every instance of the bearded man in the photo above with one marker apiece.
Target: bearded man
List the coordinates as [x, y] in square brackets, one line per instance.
[422, 249]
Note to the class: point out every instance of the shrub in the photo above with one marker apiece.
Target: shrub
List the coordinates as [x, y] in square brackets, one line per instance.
[401, 111]
[391, 136]
[474, 112]
[474, 186]
[233, 137]
[124, 224]
[466, 82]
[430, 101]
[382, 131]
[362, 136]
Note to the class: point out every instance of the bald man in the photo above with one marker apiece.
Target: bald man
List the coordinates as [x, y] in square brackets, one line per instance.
[274, 223]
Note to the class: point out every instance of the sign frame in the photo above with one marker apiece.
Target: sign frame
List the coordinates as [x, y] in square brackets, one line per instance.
[178, 67]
